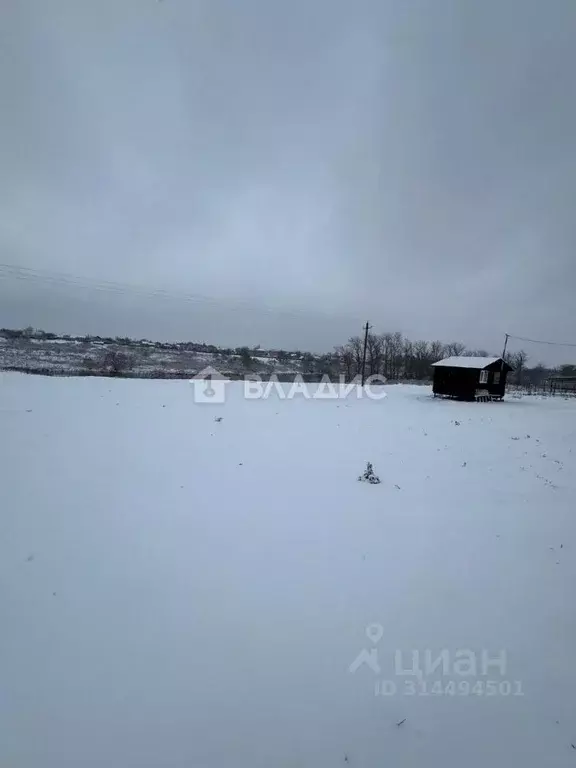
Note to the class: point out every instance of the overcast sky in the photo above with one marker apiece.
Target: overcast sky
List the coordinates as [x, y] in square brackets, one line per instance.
[305, 165]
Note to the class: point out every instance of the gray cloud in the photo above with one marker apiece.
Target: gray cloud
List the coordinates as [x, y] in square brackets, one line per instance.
[409, 162]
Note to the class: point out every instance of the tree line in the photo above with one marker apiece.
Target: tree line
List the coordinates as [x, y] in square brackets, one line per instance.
[392, 355]
[396, 357]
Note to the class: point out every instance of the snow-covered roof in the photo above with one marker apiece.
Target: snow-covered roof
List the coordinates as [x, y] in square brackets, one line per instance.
[467, 362]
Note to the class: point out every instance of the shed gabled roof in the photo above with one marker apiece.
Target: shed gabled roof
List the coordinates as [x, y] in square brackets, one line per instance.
[467, 362]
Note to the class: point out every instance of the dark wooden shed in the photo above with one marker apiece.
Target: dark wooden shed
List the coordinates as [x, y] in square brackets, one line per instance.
[471, 378]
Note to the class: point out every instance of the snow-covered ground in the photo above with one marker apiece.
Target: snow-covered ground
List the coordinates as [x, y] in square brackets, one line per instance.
[179, 591]
[74, 356]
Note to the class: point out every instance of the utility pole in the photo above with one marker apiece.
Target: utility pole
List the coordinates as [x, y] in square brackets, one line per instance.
[505, 345]
[504, 353]
[366, 329]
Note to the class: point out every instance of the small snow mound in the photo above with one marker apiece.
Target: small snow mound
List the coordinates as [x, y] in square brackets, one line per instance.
[369, 476]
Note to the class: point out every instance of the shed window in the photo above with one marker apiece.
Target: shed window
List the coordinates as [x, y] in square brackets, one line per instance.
[483, 377]
[497, 377]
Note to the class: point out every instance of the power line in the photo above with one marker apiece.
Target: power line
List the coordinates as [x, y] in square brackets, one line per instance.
[67, 279]
[534, 341]
[51, 278]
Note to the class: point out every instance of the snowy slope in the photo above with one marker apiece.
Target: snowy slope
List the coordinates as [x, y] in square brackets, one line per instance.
[74, 356]
[177, 591]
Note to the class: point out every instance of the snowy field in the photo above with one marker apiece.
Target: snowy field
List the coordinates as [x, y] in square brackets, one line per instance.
[177, 591]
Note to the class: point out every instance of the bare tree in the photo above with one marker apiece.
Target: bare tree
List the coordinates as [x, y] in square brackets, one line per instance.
[245, 356]
[408, 359]
[356, 345]
[345, 360]
[455, 349]
[326, 364]
[116, 363]
[421, 359]
[537, 375]
[518, 361]
[437, 351]
[374, 354]
[396, 354]
[387, 354]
